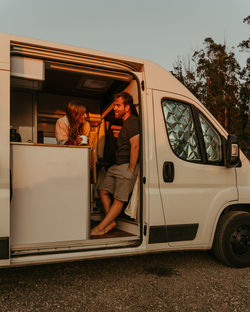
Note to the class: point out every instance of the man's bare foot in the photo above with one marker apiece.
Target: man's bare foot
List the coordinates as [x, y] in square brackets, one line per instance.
[97, 232]
[110, 227]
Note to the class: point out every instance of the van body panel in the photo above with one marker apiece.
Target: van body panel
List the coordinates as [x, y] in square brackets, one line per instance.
[4, 52]
[26, 45]
[77, 256]
[243, 180]
[4, 146]
[153, 198]
[159, 79]
[198, 191]
[58, 175]
[4, 153]
[193, 201]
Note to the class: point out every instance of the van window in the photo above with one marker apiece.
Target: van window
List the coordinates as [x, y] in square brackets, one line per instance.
[212, 141]
[181, 130]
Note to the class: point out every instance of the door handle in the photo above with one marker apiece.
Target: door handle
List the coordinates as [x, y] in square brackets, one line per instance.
[168, 171]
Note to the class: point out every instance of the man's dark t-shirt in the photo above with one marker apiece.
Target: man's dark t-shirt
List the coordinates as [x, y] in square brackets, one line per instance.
[129, 129]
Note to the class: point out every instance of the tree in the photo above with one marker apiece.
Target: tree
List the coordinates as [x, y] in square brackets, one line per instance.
[245, 44]
[217, 80]
[245, 93]
[214, 79]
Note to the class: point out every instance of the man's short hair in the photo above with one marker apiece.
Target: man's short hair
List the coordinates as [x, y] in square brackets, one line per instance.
[127, 98]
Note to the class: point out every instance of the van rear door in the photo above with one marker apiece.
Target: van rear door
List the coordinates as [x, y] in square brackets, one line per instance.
[4, 149]
[194, 184]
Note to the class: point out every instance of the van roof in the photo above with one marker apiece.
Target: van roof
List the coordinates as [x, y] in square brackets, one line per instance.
[155, 76]
[133, 62]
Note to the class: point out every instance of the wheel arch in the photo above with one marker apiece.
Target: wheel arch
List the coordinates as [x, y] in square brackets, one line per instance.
[231, 238]
[234, 207]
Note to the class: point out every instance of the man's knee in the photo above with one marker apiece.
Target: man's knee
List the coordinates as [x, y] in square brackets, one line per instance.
[103, 193]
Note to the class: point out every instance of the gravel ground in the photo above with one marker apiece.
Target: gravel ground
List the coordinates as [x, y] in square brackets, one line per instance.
[179, 281]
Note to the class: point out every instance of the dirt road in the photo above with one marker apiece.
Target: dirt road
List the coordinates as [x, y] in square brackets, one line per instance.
[183, 281]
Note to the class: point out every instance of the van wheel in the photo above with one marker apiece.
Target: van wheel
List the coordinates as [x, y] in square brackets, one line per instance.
[232, 239]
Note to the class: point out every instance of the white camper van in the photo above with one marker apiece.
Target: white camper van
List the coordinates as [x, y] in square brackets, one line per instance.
[193, 188]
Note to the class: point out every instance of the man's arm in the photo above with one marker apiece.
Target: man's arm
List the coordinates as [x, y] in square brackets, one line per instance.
[134, 151]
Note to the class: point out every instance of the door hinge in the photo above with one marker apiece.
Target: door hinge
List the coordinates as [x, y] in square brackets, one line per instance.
[142, 85]
[145, 230]
[144, 180]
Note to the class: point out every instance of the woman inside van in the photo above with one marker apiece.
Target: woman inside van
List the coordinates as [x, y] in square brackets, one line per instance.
[71, 127]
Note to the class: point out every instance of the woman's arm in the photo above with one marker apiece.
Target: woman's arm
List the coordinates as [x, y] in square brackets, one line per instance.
[86, 129]
[62, 131]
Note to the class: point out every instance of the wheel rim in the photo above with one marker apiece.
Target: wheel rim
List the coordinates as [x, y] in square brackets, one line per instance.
[240, 240]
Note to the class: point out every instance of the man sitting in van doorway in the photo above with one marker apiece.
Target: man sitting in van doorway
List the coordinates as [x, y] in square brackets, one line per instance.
[120, 178]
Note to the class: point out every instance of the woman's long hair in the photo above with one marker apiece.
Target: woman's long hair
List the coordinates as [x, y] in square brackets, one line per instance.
[75, 112]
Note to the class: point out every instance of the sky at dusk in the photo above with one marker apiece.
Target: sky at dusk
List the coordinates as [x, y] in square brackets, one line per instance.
[157, 30]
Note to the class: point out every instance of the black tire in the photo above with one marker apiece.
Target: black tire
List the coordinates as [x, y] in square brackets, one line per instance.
[232, 239]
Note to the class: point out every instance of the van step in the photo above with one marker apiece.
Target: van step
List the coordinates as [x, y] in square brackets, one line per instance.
[72, 246]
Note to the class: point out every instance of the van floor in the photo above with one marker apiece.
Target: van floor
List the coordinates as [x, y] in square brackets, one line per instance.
[112, 234]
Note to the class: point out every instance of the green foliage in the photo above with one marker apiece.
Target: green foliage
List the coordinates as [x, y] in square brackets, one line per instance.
[217, 80]
[245, 44]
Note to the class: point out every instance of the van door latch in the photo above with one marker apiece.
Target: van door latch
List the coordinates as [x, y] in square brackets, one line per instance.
[168, 171]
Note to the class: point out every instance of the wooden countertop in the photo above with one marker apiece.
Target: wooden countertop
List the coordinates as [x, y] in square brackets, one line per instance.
[50, 145]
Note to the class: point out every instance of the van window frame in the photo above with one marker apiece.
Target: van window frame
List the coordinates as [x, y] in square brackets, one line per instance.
[195, 127]
[200, 138]
[197, 112]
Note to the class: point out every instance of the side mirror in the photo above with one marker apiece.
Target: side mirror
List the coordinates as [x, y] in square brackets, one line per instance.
[232, 151]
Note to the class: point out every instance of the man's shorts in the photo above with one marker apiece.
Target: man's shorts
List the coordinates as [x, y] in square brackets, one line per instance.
[119, 181]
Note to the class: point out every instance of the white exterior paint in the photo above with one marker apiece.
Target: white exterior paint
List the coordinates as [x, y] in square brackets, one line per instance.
[55, 177]
[243, 180]
[199, 194]
[4, 139]
[197, 188]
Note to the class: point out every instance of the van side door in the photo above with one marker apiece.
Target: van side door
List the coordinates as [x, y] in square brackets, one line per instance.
[4, 149]
[194, 184]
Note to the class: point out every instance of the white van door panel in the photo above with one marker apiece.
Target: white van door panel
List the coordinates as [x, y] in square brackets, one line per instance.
[198, 190]
[4, 167]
